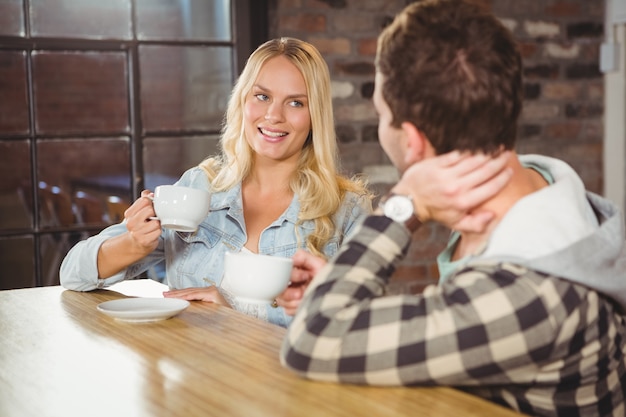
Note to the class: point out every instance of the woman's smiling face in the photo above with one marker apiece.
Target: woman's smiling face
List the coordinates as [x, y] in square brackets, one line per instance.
[276, 111]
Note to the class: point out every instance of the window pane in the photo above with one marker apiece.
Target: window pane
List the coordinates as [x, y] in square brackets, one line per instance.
[94, 171]
[16, 192]
[184, 88]
[95, 19]
[12, 17]
[17, 261]
[13, 93]
[81, 92]
[184, 19]
[52, 249]
[166, 159]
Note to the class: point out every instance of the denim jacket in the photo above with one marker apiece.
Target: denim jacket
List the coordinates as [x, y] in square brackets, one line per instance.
[197, 259]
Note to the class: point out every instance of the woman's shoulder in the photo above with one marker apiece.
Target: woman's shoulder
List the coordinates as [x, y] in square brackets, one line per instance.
[355, 197]
[195, 177]
[355, 204]
[355, 188]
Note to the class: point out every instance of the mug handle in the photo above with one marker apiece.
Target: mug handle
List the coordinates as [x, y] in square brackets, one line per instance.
[151, 198]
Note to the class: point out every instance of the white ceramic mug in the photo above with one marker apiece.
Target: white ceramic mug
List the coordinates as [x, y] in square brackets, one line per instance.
[254, 278]
[180, 208]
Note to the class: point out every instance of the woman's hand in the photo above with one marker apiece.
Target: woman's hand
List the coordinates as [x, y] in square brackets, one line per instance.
[144, 232]
[141, 238]
[305, 267]
[208, 294]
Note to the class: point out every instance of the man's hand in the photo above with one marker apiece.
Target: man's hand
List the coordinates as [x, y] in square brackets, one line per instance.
[448, 187]
[305, 266]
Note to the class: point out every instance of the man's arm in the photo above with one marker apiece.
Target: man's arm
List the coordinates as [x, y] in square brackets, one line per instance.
[346, 331]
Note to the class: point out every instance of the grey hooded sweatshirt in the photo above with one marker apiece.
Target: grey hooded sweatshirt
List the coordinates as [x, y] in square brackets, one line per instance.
[562, 230]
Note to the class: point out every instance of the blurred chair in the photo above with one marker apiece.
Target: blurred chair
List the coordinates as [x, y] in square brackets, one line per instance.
[116, 207]
[88, 209]
[56, 208]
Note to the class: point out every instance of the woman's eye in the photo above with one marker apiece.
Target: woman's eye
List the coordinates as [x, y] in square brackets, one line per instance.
[261, 97]
[296, 103]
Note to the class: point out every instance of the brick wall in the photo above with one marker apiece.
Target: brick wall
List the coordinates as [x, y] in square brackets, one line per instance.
[563, 115]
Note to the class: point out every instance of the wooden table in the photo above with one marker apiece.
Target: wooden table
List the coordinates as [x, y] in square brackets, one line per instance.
[60, 356]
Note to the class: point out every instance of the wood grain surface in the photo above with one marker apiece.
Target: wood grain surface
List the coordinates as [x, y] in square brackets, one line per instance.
[60, 356]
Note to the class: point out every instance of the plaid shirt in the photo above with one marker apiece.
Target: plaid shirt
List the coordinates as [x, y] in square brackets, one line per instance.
[536, 343]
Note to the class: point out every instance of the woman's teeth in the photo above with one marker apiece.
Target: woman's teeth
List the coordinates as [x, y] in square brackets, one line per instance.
[273, 134]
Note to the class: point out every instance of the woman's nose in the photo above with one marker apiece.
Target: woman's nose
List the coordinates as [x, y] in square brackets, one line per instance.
[274, 113]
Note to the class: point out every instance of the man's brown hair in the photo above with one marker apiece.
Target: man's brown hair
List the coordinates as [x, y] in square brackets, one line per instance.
[453, 70]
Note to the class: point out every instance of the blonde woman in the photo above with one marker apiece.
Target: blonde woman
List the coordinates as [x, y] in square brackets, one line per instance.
[274, 188]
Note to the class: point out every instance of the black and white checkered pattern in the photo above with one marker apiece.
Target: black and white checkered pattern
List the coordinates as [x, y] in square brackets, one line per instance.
[536, 343]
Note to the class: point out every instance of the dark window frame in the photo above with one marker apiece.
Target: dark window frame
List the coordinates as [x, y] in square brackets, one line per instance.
[249, 28]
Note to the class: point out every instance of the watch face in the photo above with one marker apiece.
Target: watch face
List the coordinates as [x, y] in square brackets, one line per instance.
[398, 208]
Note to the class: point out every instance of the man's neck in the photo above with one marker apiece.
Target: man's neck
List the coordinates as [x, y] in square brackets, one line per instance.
[523, 182]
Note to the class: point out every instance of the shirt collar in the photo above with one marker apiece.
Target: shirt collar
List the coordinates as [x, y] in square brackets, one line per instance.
[231, 199]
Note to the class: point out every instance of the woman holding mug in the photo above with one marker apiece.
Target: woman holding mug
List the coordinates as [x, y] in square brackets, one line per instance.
[274, 189]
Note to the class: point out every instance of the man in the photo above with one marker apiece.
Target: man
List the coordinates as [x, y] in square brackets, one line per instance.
[529, 312]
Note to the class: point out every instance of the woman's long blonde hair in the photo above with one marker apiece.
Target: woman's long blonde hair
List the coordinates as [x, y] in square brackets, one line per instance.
[316, 180]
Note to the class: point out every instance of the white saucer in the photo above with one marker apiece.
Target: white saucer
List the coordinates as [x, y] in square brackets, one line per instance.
[143, 309]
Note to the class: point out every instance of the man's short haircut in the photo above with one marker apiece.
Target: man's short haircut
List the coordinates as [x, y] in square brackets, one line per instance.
[453, 70]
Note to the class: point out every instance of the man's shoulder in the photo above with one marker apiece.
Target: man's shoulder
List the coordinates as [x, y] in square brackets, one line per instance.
[522, 284]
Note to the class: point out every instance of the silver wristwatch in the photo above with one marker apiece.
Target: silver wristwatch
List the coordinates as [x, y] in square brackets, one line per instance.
[400, 208]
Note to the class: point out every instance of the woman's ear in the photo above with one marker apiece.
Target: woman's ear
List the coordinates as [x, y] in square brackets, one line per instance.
[416, 143]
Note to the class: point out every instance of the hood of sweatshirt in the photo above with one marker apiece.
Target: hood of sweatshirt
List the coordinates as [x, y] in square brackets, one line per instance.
[565, 231]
